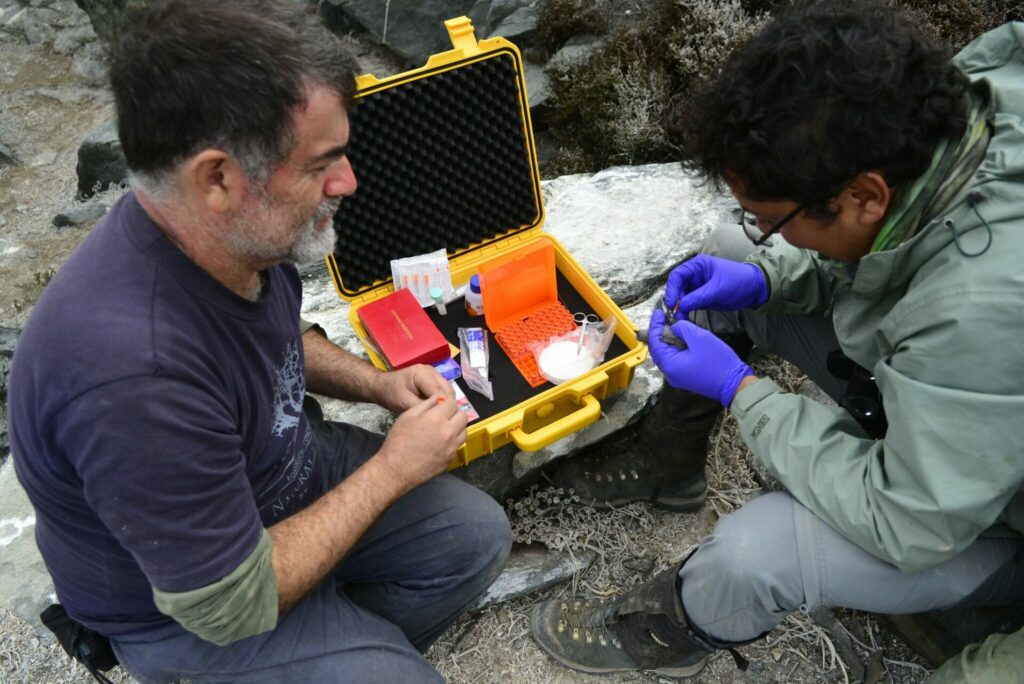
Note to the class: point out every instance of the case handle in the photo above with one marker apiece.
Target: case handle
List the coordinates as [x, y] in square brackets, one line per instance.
[588, 412]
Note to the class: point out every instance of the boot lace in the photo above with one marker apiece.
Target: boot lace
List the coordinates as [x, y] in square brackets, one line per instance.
[588, 621]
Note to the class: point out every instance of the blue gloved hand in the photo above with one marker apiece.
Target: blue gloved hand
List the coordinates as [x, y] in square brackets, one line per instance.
[708, 366]
[707, 282]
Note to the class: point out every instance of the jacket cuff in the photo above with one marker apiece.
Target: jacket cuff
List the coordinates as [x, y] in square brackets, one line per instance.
[745, 401]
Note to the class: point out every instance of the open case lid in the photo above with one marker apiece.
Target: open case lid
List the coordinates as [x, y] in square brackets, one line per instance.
[444, 157]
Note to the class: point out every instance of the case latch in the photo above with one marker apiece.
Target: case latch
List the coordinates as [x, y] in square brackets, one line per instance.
[460, 30]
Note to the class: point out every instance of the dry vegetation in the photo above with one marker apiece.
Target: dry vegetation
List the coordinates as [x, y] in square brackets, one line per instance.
[616, 105]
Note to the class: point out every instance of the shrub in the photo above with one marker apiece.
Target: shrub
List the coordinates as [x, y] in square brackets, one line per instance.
[960, 22]
[560, 20]
[612, 107]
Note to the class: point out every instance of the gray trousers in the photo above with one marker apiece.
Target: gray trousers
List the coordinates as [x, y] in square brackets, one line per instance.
[773, 556]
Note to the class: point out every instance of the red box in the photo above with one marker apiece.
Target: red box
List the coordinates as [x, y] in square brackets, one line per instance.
[402, 331]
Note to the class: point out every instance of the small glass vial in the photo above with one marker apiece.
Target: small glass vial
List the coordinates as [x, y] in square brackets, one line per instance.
[474, 300]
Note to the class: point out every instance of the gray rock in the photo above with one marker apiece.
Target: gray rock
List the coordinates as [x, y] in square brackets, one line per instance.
[100, 160]
[43, 159]
[532, 568]
[90, 63]
[629, 225]
[538, 90]
[45, 15]
[518, 27]
[78, 214]
[68, 40]
[9, 14]
[8, 340]
[70, 15]
[35, 28]
[3, 220]
[7, 156]
[412, 29]
[577, 48]
[25, 585]
[94, 71]
[66, 95]
[487, 15]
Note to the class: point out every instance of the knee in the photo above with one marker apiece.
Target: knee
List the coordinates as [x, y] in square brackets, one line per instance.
[752, 550]
[483, 537]
[728, 241]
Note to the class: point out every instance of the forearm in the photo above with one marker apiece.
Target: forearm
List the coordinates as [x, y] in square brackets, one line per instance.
[334, 372]
[797, 280]
[914, 499]
[309, 544]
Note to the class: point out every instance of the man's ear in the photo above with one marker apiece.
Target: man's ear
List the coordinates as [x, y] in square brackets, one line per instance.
[869, 195]
[214, 180]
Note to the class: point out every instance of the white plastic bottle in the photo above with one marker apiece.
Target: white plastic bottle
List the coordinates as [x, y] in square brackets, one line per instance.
[474, 300]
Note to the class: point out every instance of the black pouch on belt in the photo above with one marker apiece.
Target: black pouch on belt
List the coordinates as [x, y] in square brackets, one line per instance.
[81, 643]
[862, 400]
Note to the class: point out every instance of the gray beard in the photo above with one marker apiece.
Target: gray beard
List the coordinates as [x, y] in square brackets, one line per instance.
[247, 240]
[313, 245]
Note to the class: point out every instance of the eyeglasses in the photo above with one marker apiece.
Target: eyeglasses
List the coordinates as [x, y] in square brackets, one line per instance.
[749, 224]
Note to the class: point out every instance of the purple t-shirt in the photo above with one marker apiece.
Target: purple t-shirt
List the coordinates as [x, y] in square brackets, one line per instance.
[156, 421]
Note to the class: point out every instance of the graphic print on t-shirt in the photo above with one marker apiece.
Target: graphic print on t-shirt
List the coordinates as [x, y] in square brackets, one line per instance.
[289, 391]
[292, 480]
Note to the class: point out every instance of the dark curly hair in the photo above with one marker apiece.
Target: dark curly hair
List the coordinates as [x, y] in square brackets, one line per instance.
[228, 74]
[824, 92]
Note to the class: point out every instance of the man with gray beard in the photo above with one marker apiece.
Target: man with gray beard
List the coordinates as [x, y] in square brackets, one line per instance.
[193, 505]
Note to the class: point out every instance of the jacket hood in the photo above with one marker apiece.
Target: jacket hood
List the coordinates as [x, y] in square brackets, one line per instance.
[995, 64]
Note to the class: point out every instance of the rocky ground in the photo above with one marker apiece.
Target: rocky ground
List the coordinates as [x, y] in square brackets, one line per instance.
[52, 95]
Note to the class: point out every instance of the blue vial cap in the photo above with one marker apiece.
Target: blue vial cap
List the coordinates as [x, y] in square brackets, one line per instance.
[474, 283]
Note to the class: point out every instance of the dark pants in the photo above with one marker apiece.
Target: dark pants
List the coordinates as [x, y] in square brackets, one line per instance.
[412, 573]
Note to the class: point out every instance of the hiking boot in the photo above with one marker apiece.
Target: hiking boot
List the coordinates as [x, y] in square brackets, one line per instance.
[659, 460]
[644, 629]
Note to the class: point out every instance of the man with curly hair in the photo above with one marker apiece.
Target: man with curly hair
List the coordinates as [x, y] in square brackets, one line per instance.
[879, 246]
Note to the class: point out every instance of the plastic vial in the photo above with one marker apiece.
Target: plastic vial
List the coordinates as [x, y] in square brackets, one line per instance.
[437, 294]
[474, 300]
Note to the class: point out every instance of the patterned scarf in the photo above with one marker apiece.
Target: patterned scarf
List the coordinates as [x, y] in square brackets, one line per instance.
[953, 163]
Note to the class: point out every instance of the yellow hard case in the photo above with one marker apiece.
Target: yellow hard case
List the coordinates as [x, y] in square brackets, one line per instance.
[555, 410]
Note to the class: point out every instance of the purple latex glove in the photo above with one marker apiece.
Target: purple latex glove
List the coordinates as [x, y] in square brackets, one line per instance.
[708, 366]
[707, 282]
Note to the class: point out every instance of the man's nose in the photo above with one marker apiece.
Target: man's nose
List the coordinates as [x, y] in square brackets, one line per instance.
[342, 181]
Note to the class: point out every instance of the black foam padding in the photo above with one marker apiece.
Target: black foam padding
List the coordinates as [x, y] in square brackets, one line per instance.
[510, 387]
[442, 162]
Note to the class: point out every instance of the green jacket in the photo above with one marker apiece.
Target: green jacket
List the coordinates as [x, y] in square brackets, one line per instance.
[940, 320]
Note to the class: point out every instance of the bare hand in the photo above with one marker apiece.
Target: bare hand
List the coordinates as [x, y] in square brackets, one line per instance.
[423, 440]
[402, 389]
